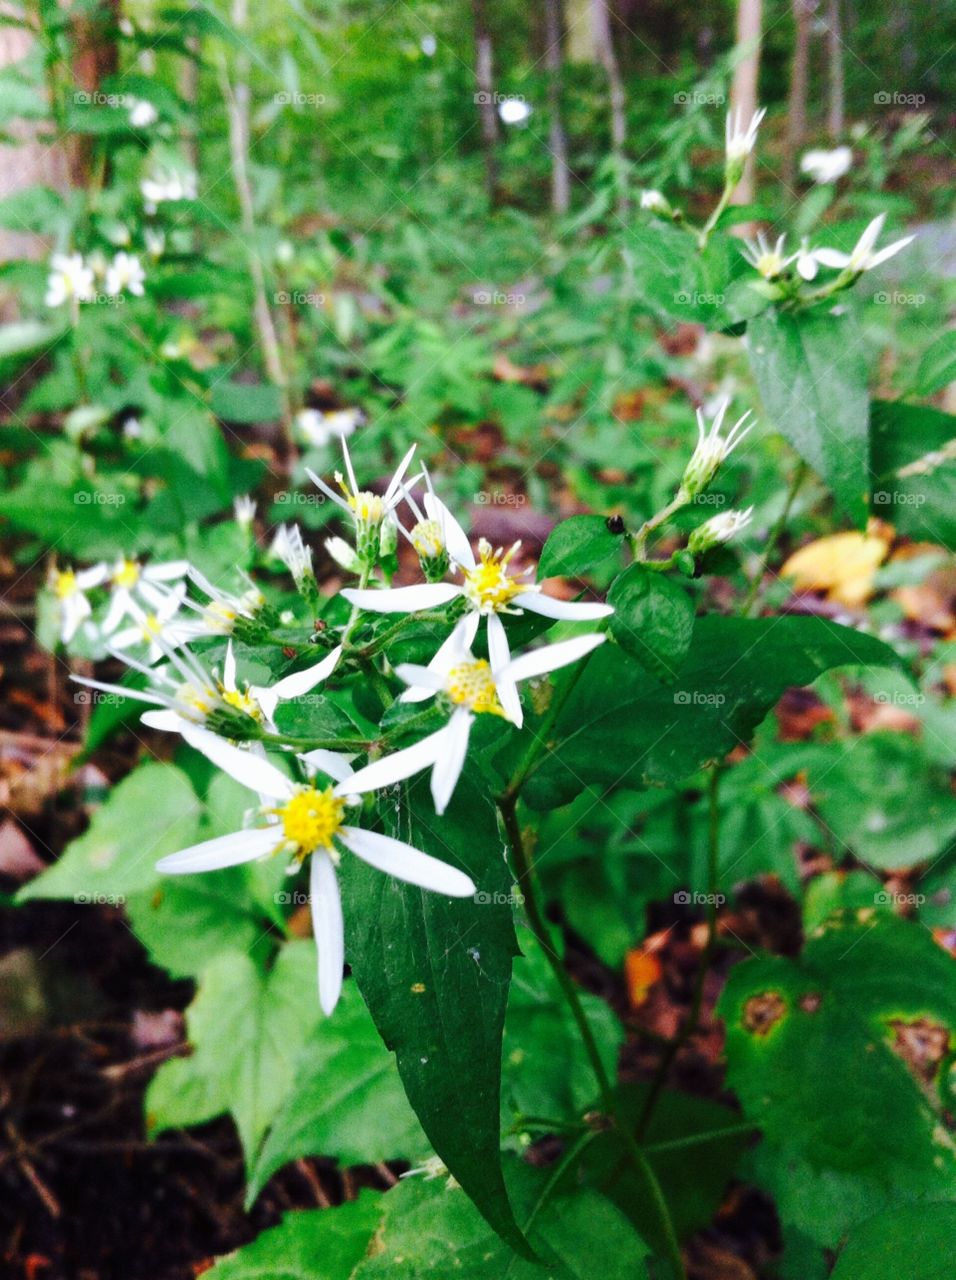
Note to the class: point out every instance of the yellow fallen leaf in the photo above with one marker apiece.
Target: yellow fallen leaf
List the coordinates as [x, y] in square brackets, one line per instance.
[843, 565]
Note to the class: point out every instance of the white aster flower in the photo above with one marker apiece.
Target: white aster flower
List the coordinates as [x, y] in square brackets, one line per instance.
[487, 589]
[159, 626]
[862, 257]
[319, 429]
[125, 272]
[655, 202]
[718, 529]
[70, 277]
[370, 513]
[155, 241]
[740, 141]
[167, 185]
[806, 260]
[711, 451]
[130, 576]
[224, 608]
[827, 166]
[142, 114]
[70, 589]
[305, 820]
[244, 511]
[769, 260]
[472, 687]
[287, 546]
[514, 110]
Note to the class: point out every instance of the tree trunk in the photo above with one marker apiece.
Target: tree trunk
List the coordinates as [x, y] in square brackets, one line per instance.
[557, 138]
[835, 111]
[485, 97]
[743, 93]
[799, 77]
[604, 48]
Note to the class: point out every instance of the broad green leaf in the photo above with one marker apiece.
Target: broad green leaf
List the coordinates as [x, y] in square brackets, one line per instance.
[620, 726]
[673, 277]
[311, 1244]
[347, 1100]
[813, 381]
[914, 469]
[247, 1029]
[152, 812]
[576, 545]
[430, 1230]
[653, 620]
[246, 402]
[434, 973]
[915, 1241]
[836, 1056]
[937, 367]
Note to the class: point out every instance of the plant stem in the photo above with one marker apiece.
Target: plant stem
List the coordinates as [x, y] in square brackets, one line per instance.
[313, 744]
[704, 234]
[799, 475]
[639, 539]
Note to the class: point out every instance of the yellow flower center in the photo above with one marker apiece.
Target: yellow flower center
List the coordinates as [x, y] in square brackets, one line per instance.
[127, 575]
[240, 701]
[216, 616]
[367, 507]
[769, 265]
[471, 685]
[427, 539]
[488, 586]
[311, 819]
[198, 699]
[152, 627]
[64, 584]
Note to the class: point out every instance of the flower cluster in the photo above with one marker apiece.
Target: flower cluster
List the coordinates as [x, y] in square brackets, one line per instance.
[73, 278]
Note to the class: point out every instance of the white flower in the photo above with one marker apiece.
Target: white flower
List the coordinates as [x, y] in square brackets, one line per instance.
[655, 201]
[224, 609]
[343, 554]
[125, 272]
[740, 141]
[304, 821]
[827, 166]
[429, 46]
[142, 114]
[155, 241]
[711, 451]
[318, 429]
[70, 589]
[167, 185]
[487, 589]
[769, 261]
[159, 627]
[718, 529]
[287, 546]
[244, 511]
[473, 687]
[806, 260]
[862, 257]
[132, 429]
[514, 110]
[128, 576]
[368, 511]
[69, 277]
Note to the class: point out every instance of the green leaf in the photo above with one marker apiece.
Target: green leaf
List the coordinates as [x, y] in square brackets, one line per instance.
[937, 368]
[246, 402]
[813, 382]
[313, 1244]
[919, 443]
[653, 620]
[620, 726]
[347, 1100]
[434, 973]
[837, 1057]
[247, 1029]
[576, 545]
[26, 337]
[430, 1231]
[152, 812]
[915, 1241]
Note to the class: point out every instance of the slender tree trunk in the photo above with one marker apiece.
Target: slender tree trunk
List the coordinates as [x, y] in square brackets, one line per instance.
[835, 112]
[799, 78]
[557, 138]
[485, 97]
[604, 48]
[743, 93]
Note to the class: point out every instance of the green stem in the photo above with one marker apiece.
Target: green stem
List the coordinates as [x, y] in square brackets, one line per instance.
[314, 744]
[639, 539]
[799, 475]
[698, 1139]
[704, 235]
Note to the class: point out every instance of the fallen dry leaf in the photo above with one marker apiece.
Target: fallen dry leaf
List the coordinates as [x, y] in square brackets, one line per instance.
[842, 565]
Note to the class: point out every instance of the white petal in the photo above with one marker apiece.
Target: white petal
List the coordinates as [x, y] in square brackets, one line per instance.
[168, 721]
[301, 682]
[119, 607]
[552, 656]
[138, 695]
[568, 610]
[456, 540]
[450, 763]
[889, 251]
[870, 236]
[832, 258]
[328, 929]
[332, 763]
[395, 484]
[229, 669]
[500, 656]
[428, 595]
[92, 577]
[397, 766]
[423, 681]
[449, 653]
[223, 851]
[329, 493]
[166, 572]
[256, 774]
[400, 860]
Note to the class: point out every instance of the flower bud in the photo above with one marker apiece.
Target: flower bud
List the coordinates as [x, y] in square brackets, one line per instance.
[428, 541]
[343, 554]
[717, 530]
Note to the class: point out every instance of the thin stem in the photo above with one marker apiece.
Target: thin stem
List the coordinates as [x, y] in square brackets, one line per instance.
[313, 744]
[698, 1139]
[799, 475]
[704, 234]
[639, 539]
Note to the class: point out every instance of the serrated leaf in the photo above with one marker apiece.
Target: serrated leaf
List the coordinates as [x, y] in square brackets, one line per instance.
[434, 973]
[576, 545]
[653, 620]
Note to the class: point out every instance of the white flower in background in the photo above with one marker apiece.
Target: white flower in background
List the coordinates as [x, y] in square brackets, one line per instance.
[711, 451]
[740, 140]
[718, 529]
[117, 233]
[163, 186]
[69, 277]
[806, 260]
[287, 546]
[285, 252]
[827, 166]
[224, 608]
[429, 46]
[514, 110]
[142, 114]
[129, 576]
[318, 429]
[306, 820]
[159, 627]
[69, 588]
[244, 511]
[155, 242]
[369, 512]
[862, 257]
[655, 202]
[769, 260]
[343, 553]
[487, 589]
[125, 272]
[132, 429]
[472, 687]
